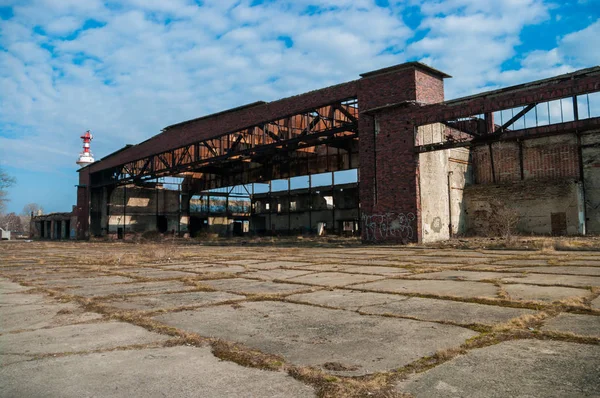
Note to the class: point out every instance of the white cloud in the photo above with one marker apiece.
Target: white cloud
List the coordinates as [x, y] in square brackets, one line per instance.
[147, 64]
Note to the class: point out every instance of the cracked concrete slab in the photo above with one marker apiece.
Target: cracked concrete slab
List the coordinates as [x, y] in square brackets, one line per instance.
[525, 368]
[130, 288]
[542, 293]
[154, 273]
[352, 300]
[586, 262]
[11, 287]
[324, 267]
[551, 280]
[276, 273]
[11, 299]
[249, 286]
[462, 275]
[74, 338]
[332, 279]
[433, 287]
[447, 311]
[176, 372]
[44, 314]
[573, 270]
[84, 282]
[583, 325]
[312, 336]
[376, 270]
[171, 300]
[277, 264]
[521, 262]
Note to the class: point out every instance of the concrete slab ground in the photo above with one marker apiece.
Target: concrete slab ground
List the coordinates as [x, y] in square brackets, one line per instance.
[74, 338]
[522, 262]
[353, 300]
[563, 270]
[249, 286]
[385, 318]
[587, 262]
[91, 281]
[46, 314]
[447, 311]
[462, 275]
[171, 300]
[215, 269]
[414, 307]
[11, 287]
[165, 372]
[433, 287]
[551, 280]
[129, 288]
[377, 270]
[583, 325]
[11, 299]
[154, 273]
[334, 279]
[527, 368]
[543, 293]
[324, 267]
[314, 336]
[277, 264]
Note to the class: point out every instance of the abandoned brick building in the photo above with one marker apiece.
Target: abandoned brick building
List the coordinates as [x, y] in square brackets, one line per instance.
[422, 169]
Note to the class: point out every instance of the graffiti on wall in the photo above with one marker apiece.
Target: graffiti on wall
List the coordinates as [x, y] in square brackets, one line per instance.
[388, 226]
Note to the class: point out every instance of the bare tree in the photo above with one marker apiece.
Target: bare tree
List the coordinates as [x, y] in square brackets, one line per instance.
[11, 222]
[32, 208]
[6, 182]
[502, 219]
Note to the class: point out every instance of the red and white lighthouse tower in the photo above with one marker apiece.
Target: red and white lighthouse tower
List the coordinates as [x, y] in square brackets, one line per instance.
[86, 156]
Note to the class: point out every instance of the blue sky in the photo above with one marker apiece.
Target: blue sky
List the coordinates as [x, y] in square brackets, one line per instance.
[126, 69]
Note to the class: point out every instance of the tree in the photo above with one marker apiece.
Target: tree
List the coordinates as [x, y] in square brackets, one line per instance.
[6, 182]
[30, 208]
[11, 222]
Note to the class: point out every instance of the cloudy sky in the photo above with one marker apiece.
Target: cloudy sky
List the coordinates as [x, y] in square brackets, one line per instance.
[126, 69]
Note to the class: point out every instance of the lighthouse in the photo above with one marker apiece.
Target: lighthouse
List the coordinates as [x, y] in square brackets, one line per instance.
[85, 157]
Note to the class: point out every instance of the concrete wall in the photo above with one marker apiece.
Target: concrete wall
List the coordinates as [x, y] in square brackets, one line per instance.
[535, 202]
[140, 209]
[442, 178]
[590, 152]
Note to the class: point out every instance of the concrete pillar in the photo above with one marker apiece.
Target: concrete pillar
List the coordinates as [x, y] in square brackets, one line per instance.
[63, 230]
[581, 208]
[53, 229]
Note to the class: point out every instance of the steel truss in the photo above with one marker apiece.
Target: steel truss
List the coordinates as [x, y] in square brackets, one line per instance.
[548, 107]
[333, 124]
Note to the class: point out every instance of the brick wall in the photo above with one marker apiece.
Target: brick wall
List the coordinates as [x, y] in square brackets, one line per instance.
[543, 159]
[82, 211]
[389, 189]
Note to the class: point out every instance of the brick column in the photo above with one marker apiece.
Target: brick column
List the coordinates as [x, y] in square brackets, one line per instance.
[389, 189]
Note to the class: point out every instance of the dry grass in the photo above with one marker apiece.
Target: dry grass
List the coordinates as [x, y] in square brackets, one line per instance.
[245, 356]
[525, 321]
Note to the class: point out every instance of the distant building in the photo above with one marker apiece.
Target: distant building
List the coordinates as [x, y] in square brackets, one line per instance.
[5, 235]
